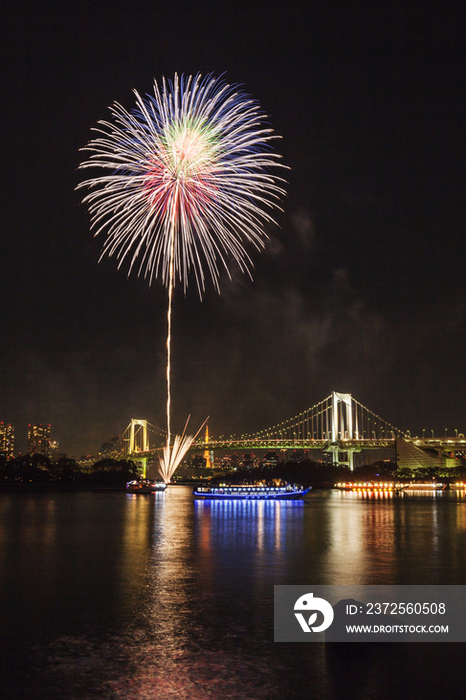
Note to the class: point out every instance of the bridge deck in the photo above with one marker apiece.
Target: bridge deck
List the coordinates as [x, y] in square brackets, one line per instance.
[448, 444]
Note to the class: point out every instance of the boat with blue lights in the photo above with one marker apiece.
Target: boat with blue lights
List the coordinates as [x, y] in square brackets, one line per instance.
[247, 492]
[145, 486]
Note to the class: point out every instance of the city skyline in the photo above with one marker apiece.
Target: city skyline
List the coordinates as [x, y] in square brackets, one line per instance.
[359, 290]
[308, 426]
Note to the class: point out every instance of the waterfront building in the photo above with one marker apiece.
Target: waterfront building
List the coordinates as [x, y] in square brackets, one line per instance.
[39, 439]
[7, 439]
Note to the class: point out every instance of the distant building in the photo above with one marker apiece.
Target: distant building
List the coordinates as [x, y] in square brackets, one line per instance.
[248, 461]
[113, 447]
[54, 453]
[271, 459]
[7, 439]
[39, 439]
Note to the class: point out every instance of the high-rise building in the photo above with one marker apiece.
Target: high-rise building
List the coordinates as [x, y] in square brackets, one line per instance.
[7, 439]
[39, 439]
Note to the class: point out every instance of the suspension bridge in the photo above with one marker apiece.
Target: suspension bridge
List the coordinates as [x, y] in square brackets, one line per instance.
[339, 425]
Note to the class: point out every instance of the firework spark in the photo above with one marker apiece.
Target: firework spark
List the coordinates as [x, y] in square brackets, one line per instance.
[173, 454]
[190, 184]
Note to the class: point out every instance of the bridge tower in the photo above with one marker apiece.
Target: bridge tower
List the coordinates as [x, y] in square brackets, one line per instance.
[342, 417]
[342, 429]
[207, 454]
[143, 445]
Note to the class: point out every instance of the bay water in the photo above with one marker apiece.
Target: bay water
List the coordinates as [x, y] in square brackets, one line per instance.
[106, 595]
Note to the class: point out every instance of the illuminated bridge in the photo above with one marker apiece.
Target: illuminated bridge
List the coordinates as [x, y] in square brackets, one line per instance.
[339, 425]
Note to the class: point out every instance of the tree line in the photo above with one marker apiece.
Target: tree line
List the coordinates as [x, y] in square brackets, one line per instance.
[38, 469]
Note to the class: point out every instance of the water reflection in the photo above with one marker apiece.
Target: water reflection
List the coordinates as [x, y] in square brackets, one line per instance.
[115, 596]
[247, 538]
[183, 641]
[259, 523]
[373, 540]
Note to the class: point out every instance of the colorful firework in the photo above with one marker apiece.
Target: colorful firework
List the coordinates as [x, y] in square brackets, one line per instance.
[190, 184]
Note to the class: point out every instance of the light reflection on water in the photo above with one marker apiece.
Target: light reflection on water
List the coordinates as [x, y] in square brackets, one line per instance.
[123, 596]
[255, 523]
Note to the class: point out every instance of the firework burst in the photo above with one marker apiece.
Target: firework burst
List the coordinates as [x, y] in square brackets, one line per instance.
[189, 185]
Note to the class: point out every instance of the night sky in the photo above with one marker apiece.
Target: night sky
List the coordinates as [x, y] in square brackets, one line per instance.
[360, 289]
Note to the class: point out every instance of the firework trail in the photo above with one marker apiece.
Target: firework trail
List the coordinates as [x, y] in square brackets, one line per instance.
[190, 183]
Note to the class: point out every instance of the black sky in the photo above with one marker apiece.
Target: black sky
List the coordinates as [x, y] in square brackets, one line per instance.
[360, 290]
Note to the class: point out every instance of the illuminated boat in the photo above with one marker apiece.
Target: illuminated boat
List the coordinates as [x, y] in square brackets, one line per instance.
[430, 486]
[375, 486]
[145, 486]
[251, 493]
